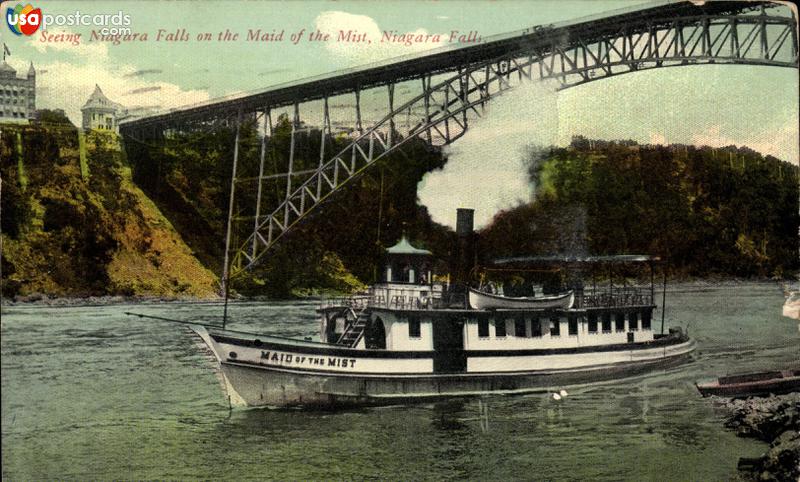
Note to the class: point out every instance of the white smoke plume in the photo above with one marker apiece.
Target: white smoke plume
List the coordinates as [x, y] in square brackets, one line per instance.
[486, 168]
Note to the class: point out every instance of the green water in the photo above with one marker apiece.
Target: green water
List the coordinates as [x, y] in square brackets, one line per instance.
[89, 393]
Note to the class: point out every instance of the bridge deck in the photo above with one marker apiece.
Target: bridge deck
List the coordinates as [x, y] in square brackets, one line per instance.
[440, 60]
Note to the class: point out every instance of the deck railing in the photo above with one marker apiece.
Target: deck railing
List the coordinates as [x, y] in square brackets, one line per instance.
[608, 298]
[614, 297]
[399, 302]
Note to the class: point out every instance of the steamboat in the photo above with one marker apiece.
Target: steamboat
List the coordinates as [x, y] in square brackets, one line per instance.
[410, 338]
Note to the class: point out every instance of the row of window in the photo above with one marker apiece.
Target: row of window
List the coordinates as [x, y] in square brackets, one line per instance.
[101, 117]
[605, 321]
[15, 101]
[595, 321]
[554, 325]
[12, 93]
[14, 114]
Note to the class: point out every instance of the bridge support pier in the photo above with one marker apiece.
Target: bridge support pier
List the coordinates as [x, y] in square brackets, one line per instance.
[226, 263]
[267, 119]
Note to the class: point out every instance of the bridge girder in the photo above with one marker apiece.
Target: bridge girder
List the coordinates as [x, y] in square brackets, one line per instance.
[449, 101]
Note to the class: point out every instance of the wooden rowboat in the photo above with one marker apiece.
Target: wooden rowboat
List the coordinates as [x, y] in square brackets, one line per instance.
[480, 300]
[752, 384]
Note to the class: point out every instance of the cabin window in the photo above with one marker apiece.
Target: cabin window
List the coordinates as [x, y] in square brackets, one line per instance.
[413, 328]
[536, 327]
[555, 326]
[592, 322]
[619, 322]
[573, 325]
[633, 321]
[519, 327]
[483, 328]
[646, 319]
[606, 322]
[500, 328]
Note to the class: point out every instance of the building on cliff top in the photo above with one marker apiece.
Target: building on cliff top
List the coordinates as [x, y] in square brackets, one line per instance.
[101, 113]
[17, 94]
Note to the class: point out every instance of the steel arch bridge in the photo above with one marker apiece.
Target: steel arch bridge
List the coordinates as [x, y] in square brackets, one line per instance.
[446, 89]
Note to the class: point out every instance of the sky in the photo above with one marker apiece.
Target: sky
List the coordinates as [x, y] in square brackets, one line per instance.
[711, 105]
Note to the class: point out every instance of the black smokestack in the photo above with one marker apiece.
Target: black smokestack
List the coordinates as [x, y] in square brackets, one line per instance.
[464, 254]
[464, 222]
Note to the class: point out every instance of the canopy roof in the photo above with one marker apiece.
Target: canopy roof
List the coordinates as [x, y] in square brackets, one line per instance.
[404, 247]
[566, 259]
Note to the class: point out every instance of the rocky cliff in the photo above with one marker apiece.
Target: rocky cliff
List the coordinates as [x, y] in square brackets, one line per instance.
[74, 223]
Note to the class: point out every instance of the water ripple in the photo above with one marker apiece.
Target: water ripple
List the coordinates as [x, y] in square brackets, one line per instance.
[90, 393]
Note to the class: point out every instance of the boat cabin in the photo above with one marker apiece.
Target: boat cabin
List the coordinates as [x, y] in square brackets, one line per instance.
[407, 313]
[412, 337]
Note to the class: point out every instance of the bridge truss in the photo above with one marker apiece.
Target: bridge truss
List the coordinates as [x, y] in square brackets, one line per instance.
[435, 97]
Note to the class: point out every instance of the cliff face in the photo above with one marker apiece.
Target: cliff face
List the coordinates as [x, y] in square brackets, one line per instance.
[76, 225]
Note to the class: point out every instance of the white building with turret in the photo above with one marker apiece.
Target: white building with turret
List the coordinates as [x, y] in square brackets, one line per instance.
[99, 112]
[17, 94]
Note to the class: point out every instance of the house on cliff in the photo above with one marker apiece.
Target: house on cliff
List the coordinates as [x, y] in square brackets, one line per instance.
[99, 112]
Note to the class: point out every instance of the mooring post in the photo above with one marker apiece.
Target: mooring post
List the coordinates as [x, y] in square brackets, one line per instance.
[226, 267]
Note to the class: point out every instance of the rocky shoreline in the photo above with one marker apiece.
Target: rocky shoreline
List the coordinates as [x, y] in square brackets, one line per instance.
[775, 420]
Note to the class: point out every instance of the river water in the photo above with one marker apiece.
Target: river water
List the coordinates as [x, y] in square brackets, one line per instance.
[90, 393]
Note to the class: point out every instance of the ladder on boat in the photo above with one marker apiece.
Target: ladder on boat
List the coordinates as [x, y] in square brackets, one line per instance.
[353, 333]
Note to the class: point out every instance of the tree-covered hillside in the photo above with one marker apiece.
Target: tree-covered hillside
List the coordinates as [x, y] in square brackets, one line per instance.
[76, 225]
[88, 226]
[338, 247]
[706, 211]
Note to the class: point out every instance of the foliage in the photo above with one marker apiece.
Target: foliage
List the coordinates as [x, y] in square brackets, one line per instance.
[337, 247]
[706, 211]
[725, 211]
[48, 117]
[67, 235]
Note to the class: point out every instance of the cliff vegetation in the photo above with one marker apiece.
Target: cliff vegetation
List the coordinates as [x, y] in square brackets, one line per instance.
[76, 225]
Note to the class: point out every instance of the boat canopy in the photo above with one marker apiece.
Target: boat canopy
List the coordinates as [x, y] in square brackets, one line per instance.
[404, 247]
[562, 259]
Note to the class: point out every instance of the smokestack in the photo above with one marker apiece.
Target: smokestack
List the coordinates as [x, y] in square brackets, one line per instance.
[464, 221]
[464, 252]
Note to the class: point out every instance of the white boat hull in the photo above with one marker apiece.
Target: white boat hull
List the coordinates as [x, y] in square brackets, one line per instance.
[479, 300]
[254, 379]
